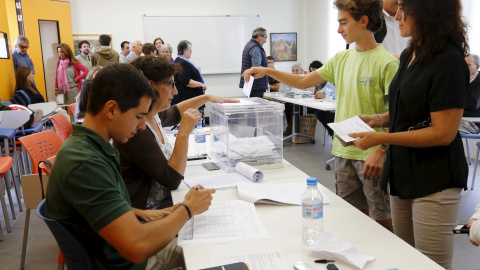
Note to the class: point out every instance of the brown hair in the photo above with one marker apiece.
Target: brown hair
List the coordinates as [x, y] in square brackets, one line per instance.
[148, 48]
[68, 52]
[357, 8]
[156, 69]
[21, 82]
[436, 24]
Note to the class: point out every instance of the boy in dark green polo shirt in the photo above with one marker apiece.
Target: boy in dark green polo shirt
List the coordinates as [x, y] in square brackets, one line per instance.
[86, 192]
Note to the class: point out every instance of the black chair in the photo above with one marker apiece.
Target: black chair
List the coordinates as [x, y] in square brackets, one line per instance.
[21, 98]
[75, 255]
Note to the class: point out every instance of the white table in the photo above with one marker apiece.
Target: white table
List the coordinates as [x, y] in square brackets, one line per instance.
[283, 224]
[319, 104]
[46, 107]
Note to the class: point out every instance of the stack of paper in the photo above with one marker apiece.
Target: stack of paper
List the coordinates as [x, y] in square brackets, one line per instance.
[350, 125]
[224, 222]
[255, 151]
[331, 246]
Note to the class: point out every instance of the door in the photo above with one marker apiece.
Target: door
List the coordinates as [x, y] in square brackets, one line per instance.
[49, 39]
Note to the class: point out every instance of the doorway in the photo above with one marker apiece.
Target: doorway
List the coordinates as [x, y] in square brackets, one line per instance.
[49, 40]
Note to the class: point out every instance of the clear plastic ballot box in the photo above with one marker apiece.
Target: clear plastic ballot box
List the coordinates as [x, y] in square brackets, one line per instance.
[250, 131]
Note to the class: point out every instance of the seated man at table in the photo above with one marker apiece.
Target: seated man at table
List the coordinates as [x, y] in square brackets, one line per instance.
[472, 108]
[298, 70]
[86, 192]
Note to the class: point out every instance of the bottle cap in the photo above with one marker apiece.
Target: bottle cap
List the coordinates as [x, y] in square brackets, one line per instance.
[199, 124]
[311, 181]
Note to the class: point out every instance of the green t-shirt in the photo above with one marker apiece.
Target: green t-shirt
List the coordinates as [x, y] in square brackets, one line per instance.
[86, 192]
[361, 81]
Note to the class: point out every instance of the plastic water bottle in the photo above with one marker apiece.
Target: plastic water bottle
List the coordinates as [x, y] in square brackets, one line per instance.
[329, 93]
[200, 141]
[312, 211]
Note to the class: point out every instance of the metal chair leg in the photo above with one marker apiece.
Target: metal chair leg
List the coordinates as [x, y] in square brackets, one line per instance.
[468, 151]
[475, 168]
[25, 239]
[4, 207]
[17, 188]
[8, 187]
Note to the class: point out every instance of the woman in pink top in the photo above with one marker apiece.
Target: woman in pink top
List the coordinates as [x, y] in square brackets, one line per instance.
[68, 78]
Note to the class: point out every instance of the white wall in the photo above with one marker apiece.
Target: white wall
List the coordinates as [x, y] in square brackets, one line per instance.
[315, 22]
[124, 21]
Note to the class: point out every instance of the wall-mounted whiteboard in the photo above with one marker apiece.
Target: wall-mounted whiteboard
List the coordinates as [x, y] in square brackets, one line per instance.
[217, 40]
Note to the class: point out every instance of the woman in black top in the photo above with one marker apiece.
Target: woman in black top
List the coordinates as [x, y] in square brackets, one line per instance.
[425, 167]
[24, 80]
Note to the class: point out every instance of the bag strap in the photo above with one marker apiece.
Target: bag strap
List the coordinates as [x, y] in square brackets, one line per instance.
[40, 174]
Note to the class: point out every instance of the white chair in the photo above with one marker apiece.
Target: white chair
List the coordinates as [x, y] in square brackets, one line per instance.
[32, 196]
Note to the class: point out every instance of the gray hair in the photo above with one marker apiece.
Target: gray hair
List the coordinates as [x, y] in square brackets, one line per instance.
[299, 66]
[259, 31]
[475, 58]
[182, 46]
[166, 46]
[134, 43]
[19, 40]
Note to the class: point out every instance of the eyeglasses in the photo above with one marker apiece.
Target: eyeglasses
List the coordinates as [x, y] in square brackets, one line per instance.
[472, 65]
[169, 83]
[23, 47]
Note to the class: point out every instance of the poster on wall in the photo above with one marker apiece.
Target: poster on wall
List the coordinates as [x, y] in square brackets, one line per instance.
[283, 46]
[91, 38]
[4, 46]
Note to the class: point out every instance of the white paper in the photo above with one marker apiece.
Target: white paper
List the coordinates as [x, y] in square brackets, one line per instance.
[245, 173]
[224, 222]
[333, 247]
[350, 125]
[60, 98]
[280, 194]
[243, 102]
[247, 86]
[272, 260]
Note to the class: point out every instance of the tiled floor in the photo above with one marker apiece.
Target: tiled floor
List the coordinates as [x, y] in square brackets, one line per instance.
[42, 250]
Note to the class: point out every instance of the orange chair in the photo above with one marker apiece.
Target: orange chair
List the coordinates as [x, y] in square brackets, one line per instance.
[73, 108]
[5, 166]
[62, 126]
[40, 146]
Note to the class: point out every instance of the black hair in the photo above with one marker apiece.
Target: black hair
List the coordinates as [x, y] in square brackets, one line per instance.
[83, 42]
[122, 45]
[121, 83]
[315, 64]
[104, 40]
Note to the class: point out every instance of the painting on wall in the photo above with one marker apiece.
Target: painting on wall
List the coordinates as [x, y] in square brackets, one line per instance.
[283, 46]
[91, 38]
[4, 53]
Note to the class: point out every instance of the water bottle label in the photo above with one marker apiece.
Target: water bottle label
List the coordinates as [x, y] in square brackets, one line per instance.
[313, 211]
[200, 138]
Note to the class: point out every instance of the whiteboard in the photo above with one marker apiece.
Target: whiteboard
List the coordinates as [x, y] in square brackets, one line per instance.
[217, 40]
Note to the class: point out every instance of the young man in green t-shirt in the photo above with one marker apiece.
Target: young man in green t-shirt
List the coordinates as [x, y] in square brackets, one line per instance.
[362, 76]
[86, 192]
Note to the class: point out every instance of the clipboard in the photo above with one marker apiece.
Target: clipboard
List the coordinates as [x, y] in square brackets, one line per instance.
[233, 266]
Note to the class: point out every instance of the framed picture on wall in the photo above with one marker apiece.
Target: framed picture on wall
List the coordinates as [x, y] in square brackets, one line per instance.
[4, 53]
[283, 46]
[91, 38]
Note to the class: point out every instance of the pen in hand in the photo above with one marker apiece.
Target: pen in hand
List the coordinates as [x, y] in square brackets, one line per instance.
[324, 261]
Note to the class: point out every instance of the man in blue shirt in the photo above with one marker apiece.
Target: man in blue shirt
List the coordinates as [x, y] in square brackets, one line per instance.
[254, 56]
[20, 55]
